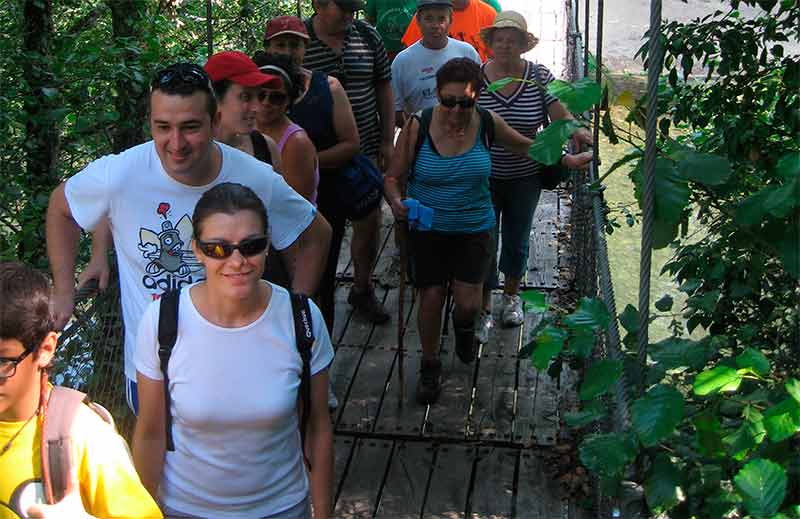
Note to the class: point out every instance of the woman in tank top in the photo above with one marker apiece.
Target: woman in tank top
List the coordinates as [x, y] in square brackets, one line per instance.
[237, 82]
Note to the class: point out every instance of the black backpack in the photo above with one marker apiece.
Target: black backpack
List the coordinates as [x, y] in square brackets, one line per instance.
[304, 334]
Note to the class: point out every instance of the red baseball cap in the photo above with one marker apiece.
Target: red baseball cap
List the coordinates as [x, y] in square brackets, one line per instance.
[285, 25]
[239, 68]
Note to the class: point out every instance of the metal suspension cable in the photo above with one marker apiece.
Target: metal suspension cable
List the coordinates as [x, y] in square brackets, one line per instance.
[655, 57]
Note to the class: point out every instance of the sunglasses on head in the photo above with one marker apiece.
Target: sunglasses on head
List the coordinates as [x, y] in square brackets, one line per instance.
[222, 249]
[274, 98]
[463, 102]
[181, 74]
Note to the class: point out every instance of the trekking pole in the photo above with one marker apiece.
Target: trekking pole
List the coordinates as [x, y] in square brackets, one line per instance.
[400, 229]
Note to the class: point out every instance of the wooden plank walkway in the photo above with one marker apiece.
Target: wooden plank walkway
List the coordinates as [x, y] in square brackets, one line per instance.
[477, 453]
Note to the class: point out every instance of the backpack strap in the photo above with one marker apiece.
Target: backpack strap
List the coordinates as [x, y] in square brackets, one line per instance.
[260, 147]
[58, 458]
[167, 336]
[304, 335]
[487, 126]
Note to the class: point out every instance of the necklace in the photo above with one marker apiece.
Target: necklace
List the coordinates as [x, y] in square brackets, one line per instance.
[10, 442]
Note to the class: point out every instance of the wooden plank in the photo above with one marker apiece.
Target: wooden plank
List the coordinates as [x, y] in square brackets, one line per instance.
[493, 407]
[359, 493]
[408, 418]
[448, 417]
[342, 313]
[494, 483]
[342, 449]
[403, 494]
[538, 496]
[362, 406]
[386, 334]
[341, 373]
[344, 268]
[450, 481]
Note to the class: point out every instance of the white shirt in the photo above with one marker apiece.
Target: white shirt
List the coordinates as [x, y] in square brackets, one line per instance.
[151, 220]
[414, 73]
[234, 409]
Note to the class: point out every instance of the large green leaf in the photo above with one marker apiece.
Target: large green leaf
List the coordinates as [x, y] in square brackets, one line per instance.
[656, 414]
[789, 166]
[629, 319]
[704, 168]
[782, 201]
[789, 249]
[591, 313]
[753, 359]
[762, 485]
[671, 192]
[591, 412]
[662, 487]
[708, 435]
[793, 388]
[549, 343]
[549, 143]
[599, 378]
[607, 454]
[576, 97]
[721, 378]
[782, 421]
[751, 210]
[748, 436]
[581, 341]
[675, 352]
[501, 83]
[664, 304]
[534, 300]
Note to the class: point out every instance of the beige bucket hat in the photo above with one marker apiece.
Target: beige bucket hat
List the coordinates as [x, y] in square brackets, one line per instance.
[509, 20]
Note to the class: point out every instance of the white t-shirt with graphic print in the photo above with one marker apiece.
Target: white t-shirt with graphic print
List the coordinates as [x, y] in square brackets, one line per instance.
[234, 409]
[151, 220]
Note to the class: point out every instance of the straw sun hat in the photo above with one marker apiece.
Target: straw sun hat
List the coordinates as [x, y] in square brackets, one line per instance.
[509, 20]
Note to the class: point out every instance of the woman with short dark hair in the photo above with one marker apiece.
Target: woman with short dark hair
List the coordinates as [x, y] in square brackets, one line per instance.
[448, 171]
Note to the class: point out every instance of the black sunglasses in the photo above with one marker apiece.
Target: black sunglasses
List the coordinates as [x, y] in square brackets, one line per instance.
[181, 74]
[8, 365]
[274, 98]
[463, 102]
[222, 249]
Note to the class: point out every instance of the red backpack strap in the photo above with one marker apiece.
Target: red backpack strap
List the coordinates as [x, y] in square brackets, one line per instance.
[62, 406]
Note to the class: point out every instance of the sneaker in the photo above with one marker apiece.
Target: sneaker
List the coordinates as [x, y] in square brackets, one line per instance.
[485, 323]
[368, 305]
[429, 384]
[512, 314]
[390, 278]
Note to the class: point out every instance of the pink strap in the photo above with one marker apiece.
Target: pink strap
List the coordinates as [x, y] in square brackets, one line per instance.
[290, 130]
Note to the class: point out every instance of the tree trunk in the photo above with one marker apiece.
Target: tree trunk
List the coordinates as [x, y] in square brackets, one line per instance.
[130, 101]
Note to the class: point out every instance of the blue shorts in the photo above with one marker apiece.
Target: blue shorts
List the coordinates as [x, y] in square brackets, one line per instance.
[132, 395]
[514, 203]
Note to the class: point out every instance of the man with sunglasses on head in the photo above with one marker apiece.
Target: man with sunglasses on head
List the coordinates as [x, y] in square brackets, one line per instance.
[147, 195]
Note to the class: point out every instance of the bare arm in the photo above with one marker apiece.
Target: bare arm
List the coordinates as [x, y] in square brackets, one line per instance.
[299, 163]
[397, 174]
[63, 234]
[305, 259]
[277, 163]
[319, 445]
[98, 267]
[383, 91]
[149, 435]
[344, 125]
[556, 111]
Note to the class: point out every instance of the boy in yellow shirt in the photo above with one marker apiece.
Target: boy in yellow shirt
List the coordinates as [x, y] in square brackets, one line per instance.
[101, 479]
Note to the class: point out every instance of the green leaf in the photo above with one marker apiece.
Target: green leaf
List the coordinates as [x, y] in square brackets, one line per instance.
[656, 414]
[762, 485]
[591, 412]
[782, 421]
[662, 486]
[781, 201]
[494, 86]
[624, 160]
[708, 435]
[581, 341]
[721, 378]
[753, 359]
[549, 343]
[576, 97]
[534, 300]
[665, 303]
[748, 436]
[793, 388]
[674, 352]
[549, 143]
[789, 166]
[752, 209]
[608, 128]
[704, 168]
[607, 454]
[629, 319]
[789, 250]
[591, 312]
[599, 378]
[671, 198]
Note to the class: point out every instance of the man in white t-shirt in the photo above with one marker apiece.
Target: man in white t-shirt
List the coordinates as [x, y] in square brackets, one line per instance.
[414, 69]
[147, 194]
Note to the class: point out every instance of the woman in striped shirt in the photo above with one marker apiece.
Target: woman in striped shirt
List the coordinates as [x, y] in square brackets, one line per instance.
[448, 170]
[514, 182]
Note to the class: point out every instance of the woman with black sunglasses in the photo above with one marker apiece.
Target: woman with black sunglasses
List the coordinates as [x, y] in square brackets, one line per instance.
[234, 375]
[447, 168]
[298, 154]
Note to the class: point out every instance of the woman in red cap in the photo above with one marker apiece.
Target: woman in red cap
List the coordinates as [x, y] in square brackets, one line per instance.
[237, 82]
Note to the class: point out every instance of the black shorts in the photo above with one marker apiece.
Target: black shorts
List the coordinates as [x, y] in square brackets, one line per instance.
[437, 258]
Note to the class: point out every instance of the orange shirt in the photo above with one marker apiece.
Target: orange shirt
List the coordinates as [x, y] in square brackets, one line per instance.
[466, 26]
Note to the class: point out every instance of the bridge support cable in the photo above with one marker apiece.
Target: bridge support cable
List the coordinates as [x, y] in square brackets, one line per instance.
[654, 65]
